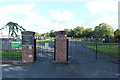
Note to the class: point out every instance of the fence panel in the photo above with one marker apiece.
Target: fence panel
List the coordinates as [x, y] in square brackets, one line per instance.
[82, 50]
[10, 50]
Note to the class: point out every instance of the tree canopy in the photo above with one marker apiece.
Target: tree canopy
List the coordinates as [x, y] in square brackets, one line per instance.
[13, 28]
[103, 30]
[117, 34]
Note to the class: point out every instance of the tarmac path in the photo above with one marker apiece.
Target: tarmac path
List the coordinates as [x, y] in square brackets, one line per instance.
[82, 64]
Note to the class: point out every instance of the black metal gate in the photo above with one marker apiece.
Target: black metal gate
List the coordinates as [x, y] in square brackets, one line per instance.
[85, 51]
[10, 50]
[45, 51]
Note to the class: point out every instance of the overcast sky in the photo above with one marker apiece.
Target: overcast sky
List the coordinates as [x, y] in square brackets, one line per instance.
[43, 16]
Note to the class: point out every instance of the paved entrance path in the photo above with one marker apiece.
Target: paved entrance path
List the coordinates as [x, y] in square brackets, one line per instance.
[51, 70]
[80, 53]
[44, 68]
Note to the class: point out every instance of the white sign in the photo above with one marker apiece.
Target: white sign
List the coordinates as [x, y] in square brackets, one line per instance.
[30, 47]
[30, 56]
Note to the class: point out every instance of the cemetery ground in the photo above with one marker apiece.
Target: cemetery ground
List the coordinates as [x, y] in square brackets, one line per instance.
[11, 53]
[107, 48]
[45, 68]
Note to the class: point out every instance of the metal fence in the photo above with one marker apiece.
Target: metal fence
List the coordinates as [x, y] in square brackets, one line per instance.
[79, 50]
[10, 50]
[87, 50]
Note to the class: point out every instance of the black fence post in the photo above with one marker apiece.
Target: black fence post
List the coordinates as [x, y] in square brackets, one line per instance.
[96, 50]
[54, 49]
[35, 58]
[119, 51]
[67, 48]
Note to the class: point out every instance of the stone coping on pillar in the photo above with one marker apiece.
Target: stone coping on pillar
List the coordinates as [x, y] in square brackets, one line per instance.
[28, 32]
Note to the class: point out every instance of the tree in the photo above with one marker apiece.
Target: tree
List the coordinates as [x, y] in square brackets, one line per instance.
[37, 35]
[52, 33]
[78, 31]
[13, 28]
[47, 34]
[69, 32]
[103, 31]
[117, 34]
[88, 33]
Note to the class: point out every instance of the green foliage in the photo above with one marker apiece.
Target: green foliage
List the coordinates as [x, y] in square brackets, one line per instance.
[117, 34]
[11, 53]
[103, 31]
[37, 35]
[40, 41]
[78, 32]
[52, 33]
[47, 34]
[14, 28]
[91, 42]
[88, 32]
[70, 32]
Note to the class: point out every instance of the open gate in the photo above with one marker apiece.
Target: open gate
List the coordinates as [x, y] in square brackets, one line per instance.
[45, 50]
[55, 50]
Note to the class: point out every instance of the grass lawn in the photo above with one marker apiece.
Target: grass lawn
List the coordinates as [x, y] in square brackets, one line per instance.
[11, 53]
[83, 42]
[39, 41]
[111, 50]
[76, 41]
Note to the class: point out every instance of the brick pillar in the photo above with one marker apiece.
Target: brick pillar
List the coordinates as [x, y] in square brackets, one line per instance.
[28, 48]
[61, 54]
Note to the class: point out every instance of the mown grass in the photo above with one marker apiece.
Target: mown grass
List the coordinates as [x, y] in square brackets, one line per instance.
[85, 42]
[77, 41]
[11, 53]
[40, 41]
[111, 50]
